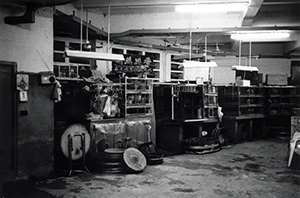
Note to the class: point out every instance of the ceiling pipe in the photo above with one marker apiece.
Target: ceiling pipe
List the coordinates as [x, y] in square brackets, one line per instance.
[81, 15]
[258, 56]
[250, 53]
[108, 28]
[190, 54]
[205, 48]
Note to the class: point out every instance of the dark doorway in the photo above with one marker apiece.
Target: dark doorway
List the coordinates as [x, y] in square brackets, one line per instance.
[7, 119]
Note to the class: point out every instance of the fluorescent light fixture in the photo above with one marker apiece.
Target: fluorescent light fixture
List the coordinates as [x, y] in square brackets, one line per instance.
[204, 8]
[199, 64]
[95, 55]
[244, 68]
[271, 36]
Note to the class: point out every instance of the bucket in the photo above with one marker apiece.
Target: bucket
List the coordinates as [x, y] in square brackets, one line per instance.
[113, 154]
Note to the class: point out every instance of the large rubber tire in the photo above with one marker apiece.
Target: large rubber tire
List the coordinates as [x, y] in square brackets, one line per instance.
[134, 160]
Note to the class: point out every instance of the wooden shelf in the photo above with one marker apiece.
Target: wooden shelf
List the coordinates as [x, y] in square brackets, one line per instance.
[133, 106]
[241, 100]
[141, 96]
[280, 103]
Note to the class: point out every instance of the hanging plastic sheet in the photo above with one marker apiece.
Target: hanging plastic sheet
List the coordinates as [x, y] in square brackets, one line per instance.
[110, 128]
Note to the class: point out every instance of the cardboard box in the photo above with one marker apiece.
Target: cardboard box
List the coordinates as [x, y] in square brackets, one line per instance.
[242, 82]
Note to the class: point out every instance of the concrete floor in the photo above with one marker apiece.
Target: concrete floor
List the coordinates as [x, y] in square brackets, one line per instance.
[251, 169]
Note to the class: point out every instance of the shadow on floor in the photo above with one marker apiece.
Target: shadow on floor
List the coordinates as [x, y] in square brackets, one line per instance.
[23, 189]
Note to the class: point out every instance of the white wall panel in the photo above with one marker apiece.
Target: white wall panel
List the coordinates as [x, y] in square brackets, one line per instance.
[30, 45]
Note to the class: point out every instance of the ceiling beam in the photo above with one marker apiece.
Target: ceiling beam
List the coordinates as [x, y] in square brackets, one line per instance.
[39, 3]
[160, 47]
[206, 31]
[72, 20]
[147, 3]
[291, 47]
[280, 2]
[251, 12]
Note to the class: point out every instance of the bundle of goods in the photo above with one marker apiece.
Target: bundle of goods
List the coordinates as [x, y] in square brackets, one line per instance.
[201, 145]
[152, 156]
[118, 160]
[149, 150]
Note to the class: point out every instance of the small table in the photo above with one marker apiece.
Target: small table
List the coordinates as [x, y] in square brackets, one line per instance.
[231, 123]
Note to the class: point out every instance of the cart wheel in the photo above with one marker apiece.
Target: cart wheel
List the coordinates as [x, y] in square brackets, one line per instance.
[215, 132]
[222, 136]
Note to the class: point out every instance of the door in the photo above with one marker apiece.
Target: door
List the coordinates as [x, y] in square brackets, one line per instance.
[295, 72]
[7, 119]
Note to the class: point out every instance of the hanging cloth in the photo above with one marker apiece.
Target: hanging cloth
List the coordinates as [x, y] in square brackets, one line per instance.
[107, 108]
[57, 92]
[109, 128]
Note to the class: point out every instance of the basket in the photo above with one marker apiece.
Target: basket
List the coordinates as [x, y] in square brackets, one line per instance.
[201, 145]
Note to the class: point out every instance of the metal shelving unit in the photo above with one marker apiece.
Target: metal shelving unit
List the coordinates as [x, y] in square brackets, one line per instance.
[185, 111]
[67, 67]
[138, 97]
[242, 100]
[243, 108]
[280, 103]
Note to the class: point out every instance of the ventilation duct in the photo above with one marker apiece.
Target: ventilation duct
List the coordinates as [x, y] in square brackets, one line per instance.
[28, 17]
[31, 7]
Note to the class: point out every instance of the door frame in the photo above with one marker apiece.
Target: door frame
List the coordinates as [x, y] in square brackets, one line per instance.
[13, 69]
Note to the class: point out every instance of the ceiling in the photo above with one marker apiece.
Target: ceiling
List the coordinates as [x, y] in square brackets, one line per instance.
[261, 15]
[167, 29]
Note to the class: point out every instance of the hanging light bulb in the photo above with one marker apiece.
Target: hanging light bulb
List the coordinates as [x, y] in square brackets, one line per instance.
[87, 45]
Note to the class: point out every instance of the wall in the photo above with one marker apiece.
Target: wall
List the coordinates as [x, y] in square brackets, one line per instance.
[35, 139]
[224, 75]
[31, 47]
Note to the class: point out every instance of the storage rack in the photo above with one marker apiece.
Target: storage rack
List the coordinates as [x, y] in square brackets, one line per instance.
[184, 111]
[242, 100]
[193, 101]
[134, 69]
[176, 72]
[137, 97]
[280, 103]
[68, 67]
[243, 108]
